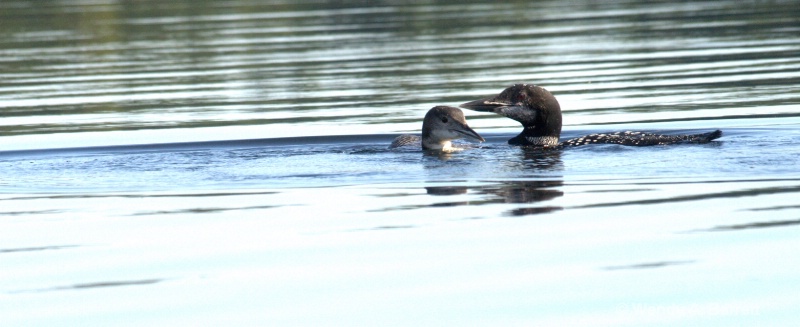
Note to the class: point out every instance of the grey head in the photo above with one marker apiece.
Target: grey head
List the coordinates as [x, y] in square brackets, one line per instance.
[534, 107]
[443, 124]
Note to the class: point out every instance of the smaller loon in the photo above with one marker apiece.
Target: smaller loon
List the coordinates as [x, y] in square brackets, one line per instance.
[441, 125]
[540, 115]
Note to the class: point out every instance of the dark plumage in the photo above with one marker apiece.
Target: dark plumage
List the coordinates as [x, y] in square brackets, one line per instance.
[540, 115]
[641, 139]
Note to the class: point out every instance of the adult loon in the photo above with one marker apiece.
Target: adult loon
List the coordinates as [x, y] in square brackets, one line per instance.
[441, 125]
[540, 115]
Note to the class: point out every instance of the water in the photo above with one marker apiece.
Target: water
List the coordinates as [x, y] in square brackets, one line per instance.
[206, 162]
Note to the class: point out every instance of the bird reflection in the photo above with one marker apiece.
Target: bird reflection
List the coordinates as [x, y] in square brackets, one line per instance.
[506, 192]
[446, 190]
[533, 211]
[524, 191]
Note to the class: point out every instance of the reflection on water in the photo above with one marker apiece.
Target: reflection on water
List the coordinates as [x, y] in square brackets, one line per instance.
[243, 177]
[504, 192]
[542, 159]
[767, 224]
[200, 210]
[708, 196]
[446, 190]
[40, 248]
[96, 285]
[649, 265]
[526, 191]
[533, 211]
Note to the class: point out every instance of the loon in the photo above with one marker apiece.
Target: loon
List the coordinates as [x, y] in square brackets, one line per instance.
[540, 115]
[441, 125]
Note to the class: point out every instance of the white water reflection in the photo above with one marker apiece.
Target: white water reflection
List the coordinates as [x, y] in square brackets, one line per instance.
[304, 217]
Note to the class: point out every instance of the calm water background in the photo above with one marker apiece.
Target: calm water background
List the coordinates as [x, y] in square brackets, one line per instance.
[225, 162]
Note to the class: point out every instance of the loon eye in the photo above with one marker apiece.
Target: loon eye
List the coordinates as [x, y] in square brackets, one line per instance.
[444, 120]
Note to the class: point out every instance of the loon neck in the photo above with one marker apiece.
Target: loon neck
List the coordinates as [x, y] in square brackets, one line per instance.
[544, 129]
[429, 144]
[542, 119]
[532, 136]
[431, 140]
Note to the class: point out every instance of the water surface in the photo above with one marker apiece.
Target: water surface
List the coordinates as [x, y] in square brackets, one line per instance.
[206, 162]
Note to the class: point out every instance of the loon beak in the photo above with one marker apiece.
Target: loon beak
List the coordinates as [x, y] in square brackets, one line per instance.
[486, 105]
[502, 107]
[468, 133]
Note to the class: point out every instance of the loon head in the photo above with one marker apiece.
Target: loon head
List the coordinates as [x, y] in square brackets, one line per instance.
[443, 124]
[531, 105]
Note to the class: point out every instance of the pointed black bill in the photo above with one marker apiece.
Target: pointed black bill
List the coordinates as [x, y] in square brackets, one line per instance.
[485, 105]
[469, 133]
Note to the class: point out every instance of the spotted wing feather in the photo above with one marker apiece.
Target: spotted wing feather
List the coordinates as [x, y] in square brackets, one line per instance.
[641, 139]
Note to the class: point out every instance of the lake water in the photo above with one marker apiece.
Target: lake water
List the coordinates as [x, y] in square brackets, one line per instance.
[226, 163]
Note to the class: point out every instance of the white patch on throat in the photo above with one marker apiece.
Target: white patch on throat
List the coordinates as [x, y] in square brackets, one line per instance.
[440, 145]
